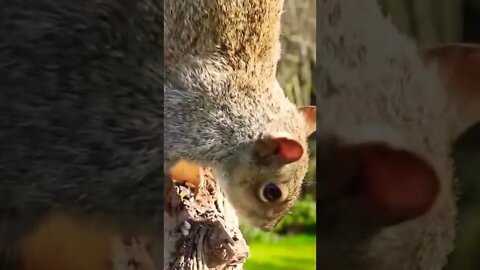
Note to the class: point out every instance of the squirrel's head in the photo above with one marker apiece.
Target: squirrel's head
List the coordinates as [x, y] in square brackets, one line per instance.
[264, 184]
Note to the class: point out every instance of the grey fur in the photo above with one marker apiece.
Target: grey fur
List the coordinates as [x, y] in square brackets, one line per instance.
[81, 113]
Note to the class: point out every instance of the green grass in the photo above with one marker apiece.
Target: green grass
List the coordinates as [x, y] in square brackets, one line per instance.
[296, 252]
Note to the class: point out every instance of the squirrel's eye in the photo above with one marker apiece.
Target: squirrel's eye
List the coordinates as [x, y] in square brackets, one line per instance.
[271, 192]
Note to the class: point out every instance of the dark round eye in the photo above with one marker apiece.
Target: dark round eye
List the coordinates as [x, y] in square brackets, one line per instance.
[271, 192]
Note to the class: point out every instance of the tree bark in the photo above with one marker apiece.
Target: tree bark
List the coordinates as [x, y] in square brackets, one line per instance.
[201, 227]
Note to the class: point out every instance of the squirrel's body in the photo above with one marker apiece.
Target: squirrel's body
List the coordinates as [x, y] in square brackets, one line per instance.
[388, 200]
[224, 107]
[81, 111]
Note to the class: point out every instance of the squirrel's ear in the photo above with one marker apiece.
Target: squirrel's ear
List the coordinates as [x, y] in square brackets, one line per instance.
[278, 149]
[400, 184]
[457, 63]
[309, 114]
[396, 185]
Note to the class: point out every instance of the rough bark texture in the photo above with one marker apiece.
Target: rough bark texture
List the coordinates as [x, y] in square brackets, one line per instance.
[201, 228]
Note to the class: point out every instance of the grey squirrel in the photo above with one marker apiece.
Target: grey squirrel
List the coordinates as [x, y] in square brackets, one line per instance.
[82, 110]
[225, 109]
[389, 114]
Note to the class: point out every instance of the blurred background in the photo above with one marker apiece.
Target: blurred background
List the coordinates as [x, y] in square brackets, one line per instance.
[292, 245]
[429, 22]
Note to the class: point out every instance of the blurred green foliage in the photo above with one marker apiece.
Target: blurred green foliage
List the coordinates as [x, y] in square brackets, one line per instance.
[301, 219]
[294, 252]
[295, 232]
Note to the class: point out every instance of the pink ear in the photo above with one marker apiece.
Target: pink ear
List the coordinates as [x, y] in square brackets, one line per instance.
[458, 66]
[288, 150]
[279, 149]
[309, 114]
[399, 185]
